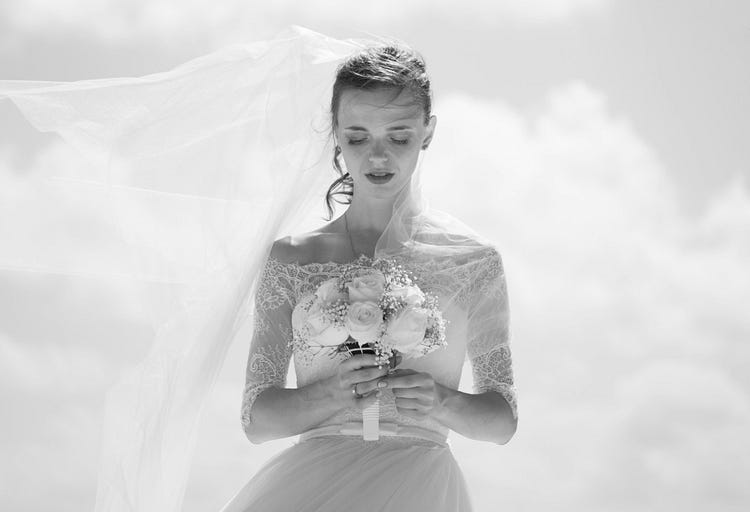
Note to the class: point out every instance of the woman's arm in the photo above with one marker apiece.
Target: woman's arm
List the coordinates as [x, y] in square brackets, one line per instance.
[490, 414]
[269, 357]
[485, 416]
[286, 412]
[269, 409]
[281, 412]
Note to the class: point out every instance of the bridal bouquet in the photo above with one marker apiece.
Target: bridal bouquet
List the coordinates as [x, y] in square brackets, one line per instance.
[372, 306]
[375, 305]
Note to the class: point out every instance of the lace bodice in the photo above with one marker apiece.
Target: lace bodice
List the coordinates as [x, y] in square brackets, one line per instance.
[475, 305]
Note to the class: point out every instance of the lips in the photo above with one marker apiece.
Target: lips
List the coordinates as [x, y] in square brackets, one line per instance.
[379, 177]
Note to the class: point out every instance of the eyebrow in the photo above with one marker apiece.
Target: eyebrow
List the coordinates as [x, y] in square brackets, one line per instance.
[391, 129]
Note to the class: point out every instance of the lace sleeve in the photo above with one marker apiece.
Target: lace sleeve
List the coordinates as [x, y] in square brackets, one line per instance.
[270, 353]
[488, 347]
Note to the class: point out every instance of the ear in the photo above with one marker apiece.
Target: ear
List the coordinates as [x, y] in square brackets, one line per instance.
[429, 132]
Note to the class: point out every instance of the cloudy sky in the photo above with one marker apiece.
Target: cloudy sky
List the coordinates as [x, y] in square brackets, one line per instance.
[600, 143]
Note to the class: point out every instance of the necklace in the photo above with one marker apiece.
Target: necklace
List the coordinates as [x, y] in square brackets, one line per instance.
[348, 234]
[351, 242]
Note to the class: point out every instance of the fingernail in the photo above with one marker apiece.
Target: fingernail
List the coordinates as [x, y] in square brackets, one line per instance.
[382, 383]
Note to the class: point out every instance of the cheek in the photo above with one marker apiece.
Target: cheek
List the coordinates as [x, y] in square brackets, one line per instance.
[351, 158]
[408, 159]
[353, 152]
[404, 156]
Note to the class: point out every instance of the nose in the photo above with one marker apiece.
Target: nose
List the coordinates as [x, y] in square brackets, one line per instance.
[378, 156]
[378, 159]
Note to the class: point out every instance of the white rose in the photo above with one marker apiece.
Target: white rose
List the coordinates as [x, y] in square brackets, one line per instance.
[406, 330]
[328, 291]
[367, 285]
[317, 330]
[412, 295]
[364, 321]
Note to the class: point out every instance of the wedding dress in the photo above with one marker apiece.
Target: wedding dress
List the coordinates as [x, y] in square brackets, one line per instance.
[411, 467]
[197, 171]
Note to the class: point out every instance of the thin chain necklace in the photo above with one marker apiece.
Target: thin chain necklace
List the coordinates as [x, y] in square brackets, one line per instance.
[351, 243]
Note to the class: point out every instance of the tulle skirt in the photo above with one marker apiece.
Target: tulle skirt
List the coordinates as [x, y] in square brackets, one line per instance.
[345, 473]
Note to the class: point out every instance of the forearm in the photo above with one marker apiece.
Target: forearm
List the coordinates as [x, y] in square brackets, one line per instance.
[278, 413]
[484, 417]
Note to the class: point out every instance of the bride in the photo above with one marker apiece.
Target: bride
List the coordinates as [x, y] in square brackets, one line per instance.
[199, 170]
[381, 121]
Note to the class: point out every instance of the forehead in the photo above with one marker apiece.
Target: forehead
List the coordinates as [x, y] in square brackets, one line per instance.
[378, 107]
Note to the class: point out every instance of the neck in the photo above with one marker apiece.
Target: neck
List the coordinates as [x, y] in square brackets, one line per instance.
[369, 216]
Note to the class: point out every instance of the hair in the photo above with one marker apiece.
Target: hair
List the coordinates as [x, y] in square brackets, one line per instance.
[391, 66]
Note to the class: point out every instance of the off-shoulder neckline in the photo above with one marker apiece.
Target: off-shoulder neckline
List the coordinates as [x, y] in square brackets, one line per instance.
[362, 257]
[328, 263]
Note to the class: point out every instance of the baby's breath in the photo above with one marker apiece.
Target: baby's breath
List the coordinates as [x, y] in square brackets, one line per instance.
[335, 312]
[299, 345]
[396, 276]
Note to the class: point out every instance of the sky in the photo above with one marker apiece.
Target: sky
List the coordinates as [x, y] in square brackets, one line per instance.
[600, 143]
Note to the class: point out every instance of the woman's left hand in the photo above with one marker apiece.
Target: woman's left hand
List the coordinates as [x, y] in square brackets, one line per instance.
[417, 394]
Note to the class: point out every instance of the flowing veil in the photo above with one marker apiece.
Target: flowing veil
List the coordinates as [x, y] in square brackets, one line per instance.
[193, 173]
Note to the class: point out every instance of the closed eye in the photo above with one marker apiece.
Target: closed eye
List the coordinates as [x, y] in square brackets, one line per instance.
[355, 142]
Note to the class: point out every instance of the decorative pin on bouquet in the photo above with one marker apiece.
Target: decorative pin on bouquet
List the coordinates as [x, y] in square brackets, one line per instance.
[373, 306]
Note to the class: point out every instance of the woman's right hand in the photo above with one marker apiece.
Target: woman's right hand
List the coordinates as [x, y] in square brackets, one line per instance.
[361, 370]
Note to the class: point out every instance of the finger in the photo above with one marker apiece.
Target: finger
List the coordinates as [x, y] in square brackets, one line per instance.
[417, 415]
[375, 384]
[403, 371]
[366, 374]
[348, 379]
[418, 393]
[359, 361]
[409, 380]
[366, 401]
[410, 404]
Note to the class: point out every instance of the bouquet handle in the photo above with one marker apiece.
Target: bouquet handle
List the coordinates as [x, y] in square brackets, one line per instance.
[371, 413]
[371, 422]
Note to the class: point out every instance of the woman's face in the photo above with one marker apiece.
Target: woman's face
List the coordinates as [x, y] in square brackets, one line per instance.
[380, 137]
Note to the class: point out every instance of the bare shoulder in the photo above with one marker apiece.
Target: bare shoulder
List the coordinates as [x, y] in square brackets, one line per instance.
[282, 250]
[317, 245]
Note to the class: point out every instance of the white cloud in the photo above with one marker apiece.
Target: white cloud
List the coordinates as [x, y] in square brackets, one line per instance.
[50, 397]
[685, 423]
[610, 284]
[35, 370]
[111, 20]
[80, 242]
[627, 314]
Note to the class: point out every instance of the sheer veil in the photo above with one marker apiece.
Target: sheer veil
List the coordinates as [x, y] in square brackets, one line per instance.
[193, 173]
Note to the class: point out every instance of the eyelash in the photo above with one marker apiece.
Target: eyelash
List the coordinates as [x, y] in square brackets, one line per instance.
[356, 142]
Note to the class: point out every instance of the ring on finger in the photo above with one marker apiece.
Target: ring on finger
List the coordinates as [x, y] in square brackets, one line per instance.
[354, 392]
